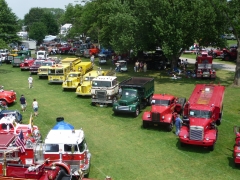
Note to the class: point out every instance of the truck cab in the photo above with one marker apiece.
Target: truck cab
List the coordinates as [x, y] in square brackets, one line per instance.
[204, 66]
[8, 97]
[135, 94]
[104, 90]
[164, 108]
[26, 64]
[201, 116]
[72, 81]
[42, 55]
[43, 69]
[34, 67]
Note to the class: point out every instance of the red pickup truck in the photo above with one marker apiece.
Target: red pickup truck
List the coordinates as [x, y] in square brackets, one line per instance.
[8, 97]
[27, 64]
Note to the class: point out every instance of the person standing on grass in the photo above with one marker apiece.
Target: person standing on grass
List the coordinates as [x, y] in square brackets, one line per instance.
[23, 103]
[30, 82]
[35, 107]
[92, 59]
[178, 124]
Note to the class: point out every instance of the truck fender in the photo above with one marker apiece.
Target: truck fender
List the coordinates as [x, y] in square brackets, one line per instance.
[168, 118]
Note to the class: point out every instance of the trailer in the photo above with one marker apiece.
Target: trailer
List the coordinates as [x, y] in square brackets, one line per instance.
[201, 115]
[135, 94]
[31, 45]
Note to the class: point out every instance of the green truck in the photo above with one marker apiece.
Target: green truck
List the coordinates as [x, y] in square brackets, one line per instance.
[135, 93]
[20, 57]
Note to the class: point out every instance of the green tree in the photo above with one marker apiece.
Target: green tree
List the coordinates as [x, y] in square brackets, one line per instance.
[50, 22]
[38, 31]
[34, 15]
[8, 25]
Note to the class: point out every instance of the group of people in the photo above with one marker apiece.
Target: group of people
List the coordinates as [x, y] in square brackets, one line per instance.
[23, 103]
[140, 66]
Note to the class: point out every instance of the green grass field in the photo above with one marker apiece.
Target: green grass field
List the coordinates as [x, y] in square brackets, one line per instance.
[120, 147]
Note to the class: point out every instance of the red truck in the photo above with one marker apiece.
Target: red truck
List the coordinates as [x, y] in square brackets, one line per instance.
[64, 49]
[236, 151]
[204, 66]
[8, 97]
[201, 116]
[163, 110]
[26, 64]
[229, 54]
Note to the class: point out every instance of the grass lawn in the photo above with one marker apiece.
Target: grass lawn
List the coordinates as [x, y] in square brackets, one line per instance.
[119, 145]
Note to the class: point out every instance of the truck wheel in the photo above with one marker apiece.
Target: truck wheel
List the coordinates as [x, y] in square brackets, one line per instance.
[218, 122]
[136, 112]
[145, 124]
[114, 100]
[214, 56]
[182, 144]
[211, 148]
[149, 100]
[4, 101]
[170, 126]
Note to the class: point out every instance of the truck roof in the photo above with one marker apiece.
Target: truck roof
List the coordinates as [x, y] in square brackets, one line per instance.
[64, 136]
[70, 60]
[163, 96]
[6, 139]
[206, 95]
[59, 66]
[105, 78]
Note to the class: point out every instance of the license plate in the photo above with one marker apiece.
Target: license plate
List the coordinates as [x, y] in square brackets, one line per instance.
[155, 124]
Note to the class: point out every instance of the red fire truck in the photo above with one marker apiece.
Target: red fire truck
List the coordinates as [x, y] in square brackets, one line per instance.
[202, 114]
[69, 151]
[163, 109]
[236, 151]
[204, 67]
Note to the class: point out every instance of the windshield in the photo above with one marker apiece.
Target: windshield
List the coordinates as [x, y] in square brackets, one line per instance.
[40, 53]
[88, 78]
[129, 93]
[38, 63]
[47, 63]
[199, 113]
[56, 71]
[75, 147]
[72, 75]
[101, 83]
[51, 148]
[160, 102]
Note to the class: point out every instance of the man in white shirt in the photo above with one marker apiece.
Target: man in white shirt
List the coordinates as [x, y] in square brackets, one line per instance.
[30, 82]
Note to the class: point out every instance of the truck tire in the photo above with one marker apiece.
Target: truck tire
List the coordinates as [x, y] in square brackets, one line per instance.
[149, 100]
[214, 56]
[4, 101]
[170, 127]
[211, 148]
[145, 124]
[218, 122]
[136, 113]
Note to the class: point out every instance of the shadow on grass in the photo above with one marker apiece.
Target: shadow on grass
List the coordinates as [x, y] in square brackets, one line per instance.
[162, 128]
[192, 148]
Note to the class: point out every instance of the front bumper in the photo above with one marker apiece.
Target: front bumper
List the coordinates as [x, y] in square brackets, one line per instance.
[204, 142]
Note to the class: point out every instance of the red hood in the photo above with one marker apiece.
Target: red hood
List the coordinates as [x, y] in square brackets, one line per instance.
[159, 109]
[7, 93]
[199, 121]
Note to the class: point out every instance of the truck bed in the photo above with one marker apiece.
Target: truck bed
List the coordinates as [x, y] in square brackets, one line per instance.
[135, 81]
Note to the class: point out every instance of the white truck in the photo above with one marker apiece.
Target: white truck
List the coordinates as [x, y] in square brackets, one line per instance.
[42, 54]
[104, 90]
[30, 45]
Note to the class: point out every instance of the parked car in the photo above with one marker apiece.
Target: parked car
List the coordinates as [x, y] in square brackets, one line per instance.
[229, 37]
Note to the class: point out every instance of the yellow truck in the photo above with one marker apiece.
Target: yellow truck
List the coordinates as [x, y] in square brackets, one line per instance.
[14, 52]
[58, 73]
[85, 88]
[43, 69]
[74, 77]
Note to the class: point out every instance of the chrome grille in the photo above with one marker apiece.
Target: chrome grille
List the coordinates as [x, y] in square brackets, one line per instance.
[84, 89]
[123, 108]
[101, 95]
[196, 133]
[122, 103]
[155, 116]
[69, 83]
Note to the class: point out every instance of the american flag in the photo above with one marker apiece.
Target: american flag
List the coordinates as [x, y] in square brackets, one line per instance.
[20, 142]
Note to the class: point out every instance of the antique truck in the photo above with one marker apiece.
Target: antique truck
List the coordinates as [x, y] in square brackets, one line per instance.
[80, 50]
[35, 66]
[201, 115]
[68, 152]
[26, 64]
[204, 66]
[104, 90]
[8, 97]
[163, 111]
[42, 55]
[64, 49]
[9, 59]
[58, 72]
[229, 54]
[22, 55]
[43, 69]
[74, 77]
[236, 151]
[86, 83]
[136, 93]
[3, 54]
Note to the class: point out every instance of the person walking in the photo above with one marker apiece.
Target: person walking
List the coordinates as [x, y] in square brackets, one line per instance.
[178, 123]
[35, 107]
[30, 82]
[137, 66]
[92, 59]
[23, 103]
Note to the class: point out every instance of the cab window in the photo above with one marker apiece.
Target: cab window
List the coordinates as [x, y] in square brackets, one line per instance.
[51, 148]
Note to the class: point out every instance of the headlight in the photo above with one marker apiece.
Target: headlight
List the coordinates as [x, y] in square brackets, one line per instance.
[207, 138]
[109, 97]
[116, 107]
[238, 154]
[185, 136]
[148, 116]
[162, 117]
[93, 96]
